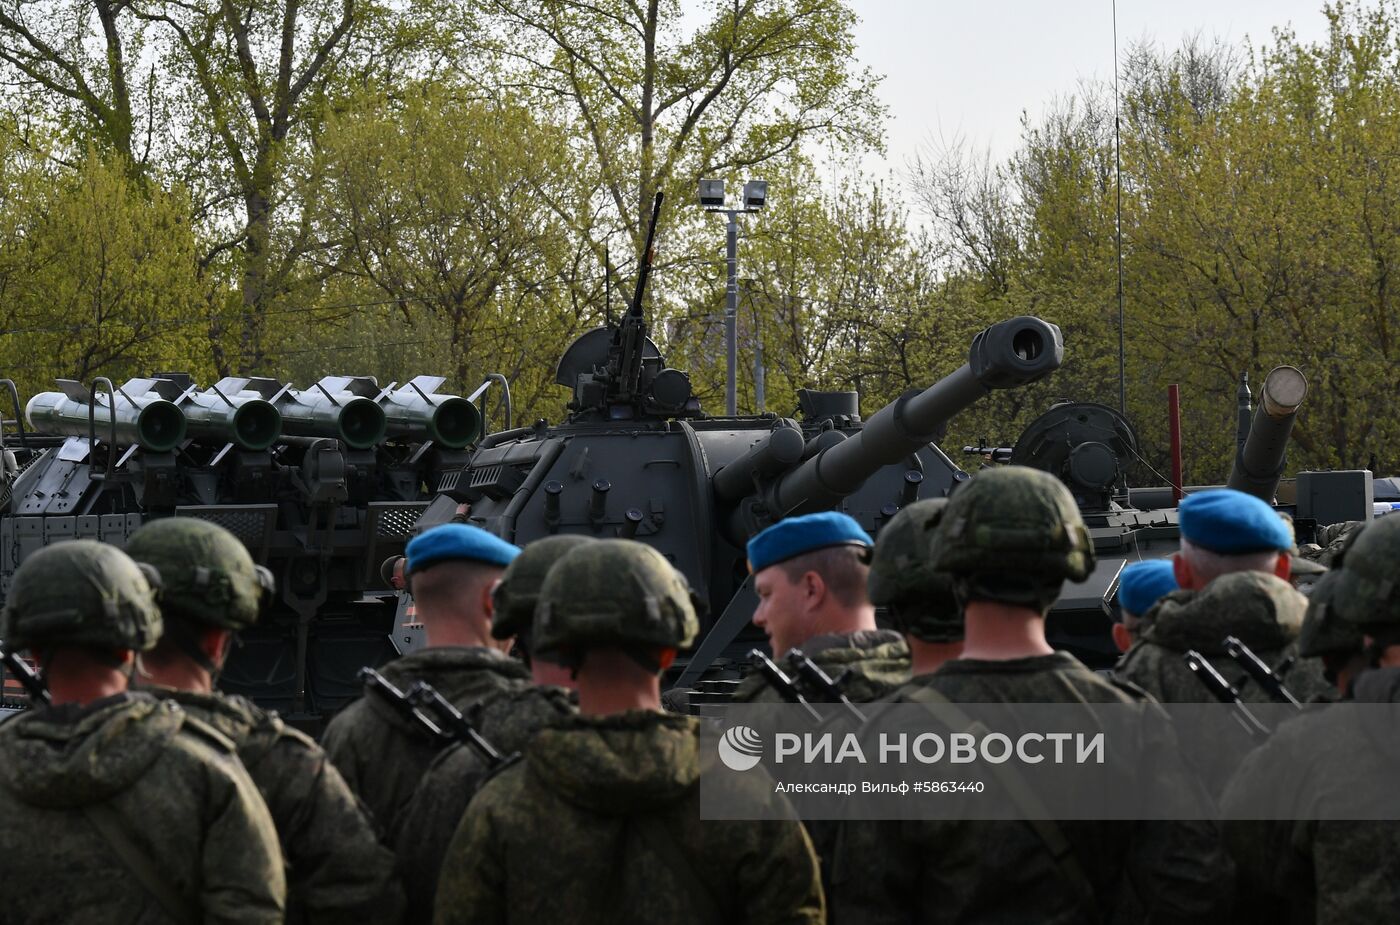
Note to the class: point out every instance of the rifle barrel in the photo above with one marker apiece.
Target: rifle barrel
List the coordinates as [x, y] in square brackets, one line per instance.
[1220, 688]
[1259, 671]
[780, 682]
[28, 677]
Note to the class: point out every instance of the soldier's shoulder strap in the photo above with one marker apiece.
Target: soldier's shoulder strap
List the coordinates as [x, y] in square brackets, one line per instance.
[1017, 790]
[208, 735]
[113, 829]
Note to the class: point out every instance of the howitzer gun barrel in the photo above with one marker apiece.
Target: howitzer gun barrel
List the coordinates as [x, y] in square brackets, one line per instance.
[1260, 462]
[146, 420]
[1006, 355]
[340, 407]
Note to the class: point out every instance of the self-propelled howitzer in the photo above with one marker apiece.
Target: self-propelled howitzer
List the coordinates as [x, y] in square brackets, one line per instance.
[646, 463]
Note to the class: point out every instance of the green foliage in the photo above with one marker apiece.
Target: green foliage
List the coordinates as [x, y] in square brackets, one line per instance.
[452, 187]
[1258, 230]
[98, 274]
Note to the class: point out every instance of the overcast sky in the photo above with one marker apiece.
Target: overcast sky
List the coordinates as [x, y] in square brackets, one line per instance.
[970, 69]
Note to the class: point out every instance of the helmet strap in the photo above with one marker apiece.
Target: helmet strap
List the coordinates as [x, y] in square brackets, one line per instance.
[186, 639]
[647, 658]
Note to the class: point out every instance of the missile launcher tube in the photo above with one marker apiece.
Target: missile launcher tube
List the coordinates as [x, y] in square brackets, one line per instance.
[355, 420]
[148, 421]
[242, 418]
[416, 412]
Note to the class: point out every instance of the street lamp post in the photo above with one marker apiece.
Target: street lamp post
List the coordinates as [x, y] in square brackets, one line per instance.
[713, 200]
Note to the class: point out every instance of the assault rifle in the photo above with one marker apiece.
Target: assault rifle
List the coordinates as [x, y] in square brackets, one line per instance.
[1222, 690]
[810, 672]
[780, 682]
[446, 725]
[1267, 678]
[28, 677]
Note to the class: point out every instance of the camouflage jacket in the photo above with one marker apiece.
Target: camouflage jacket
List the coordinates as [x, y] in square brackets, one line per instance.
[336, 869]
[916, 871]
[600, 823]
[382, 755]
[1328, 872]
[507, 722]
[187, 804]
[878, 662]
[1266, 614]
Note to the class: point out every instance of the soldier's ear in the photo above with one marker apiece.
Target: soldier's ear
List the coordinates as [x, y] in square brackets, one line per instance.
[1181, 569]
[488, 598]
[1121, 637]
[1283, 568]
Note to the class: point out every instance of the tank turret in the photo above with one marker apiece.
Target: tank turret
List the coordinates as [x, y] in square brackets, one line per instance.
[1260, 462]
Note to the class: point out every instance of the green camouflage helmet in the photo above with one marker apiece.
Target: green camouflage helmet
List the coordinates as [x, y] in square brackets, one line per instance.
[1323, 632]
[918, 599]
[519, 588]
[1014, 520]
[1368, 591]
[613, 592]
[83, 593]
[207, 575]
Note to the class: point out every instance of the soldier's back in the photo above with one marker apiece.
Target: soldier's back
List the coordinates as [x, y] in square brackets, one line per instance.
[337, 869]
[508, 722]
[171, 786]
[382, 755]
[1338, 763]
[1263, 612]
[601, 824]
[1069, 871]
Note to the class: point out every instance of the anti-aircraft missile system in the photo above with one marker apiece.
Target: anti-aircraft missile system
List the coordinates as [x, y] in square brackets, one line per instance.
[321, 484]
[636, 457]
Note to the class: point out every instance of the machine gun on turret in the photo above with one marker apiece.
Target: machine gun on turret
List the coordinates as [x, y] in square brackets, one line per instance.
[617, 372]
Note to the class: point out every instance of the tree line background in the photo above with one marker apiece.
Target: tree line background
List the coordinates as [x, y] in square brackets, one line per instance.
[300, 188]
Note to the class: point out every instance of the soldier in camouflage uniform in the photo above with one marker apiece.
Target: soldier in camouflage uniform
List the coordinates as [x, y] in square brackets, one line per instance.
[1334, 642]
[1009, 539]
[506, 721]
[382, 755]
[600, 822]
[211, 590]
[117, 807]
[1331, 872]
[1233, 571]
[917, 600]
[810, 576]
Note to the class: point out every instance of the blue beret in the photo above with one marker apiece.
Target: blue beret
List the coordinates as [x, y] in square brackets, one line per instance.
[1142, 584]
[458, 541]
[794, 536]
[1231, 522]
